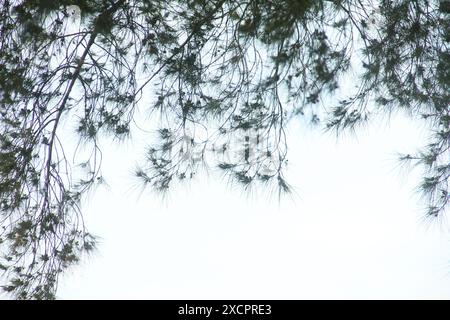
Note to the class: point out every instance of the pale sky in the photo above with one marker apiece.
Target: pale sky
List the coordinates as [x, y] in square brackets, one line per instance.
[354, 229]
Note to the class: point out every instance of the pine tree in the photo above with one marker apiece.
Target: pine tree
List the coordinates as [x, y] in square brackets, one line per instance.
[225, 78]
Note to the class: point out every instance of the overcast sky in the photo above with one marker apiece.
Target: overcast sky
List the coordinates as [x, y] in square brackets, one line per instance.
[354, 228]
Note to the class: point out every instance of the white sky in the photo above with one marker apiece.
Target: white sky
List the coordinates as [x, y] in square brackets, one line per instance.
[354, 229]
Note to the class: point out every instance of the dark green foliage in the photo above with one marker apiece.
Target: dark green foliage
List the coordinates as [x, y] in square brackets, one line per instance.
[227, 75]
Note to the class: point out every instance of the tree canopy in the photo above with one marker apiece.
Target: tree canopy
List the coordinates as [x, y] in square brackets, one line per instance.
[222, 77]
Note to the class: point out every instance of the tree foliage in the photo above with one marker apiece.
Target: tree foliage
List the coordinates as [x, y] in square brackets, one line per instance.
[226, 77]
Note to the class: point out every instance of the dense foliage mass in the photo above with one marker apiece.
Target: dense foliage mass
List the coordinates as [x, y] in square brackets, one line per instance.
[224, 77]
